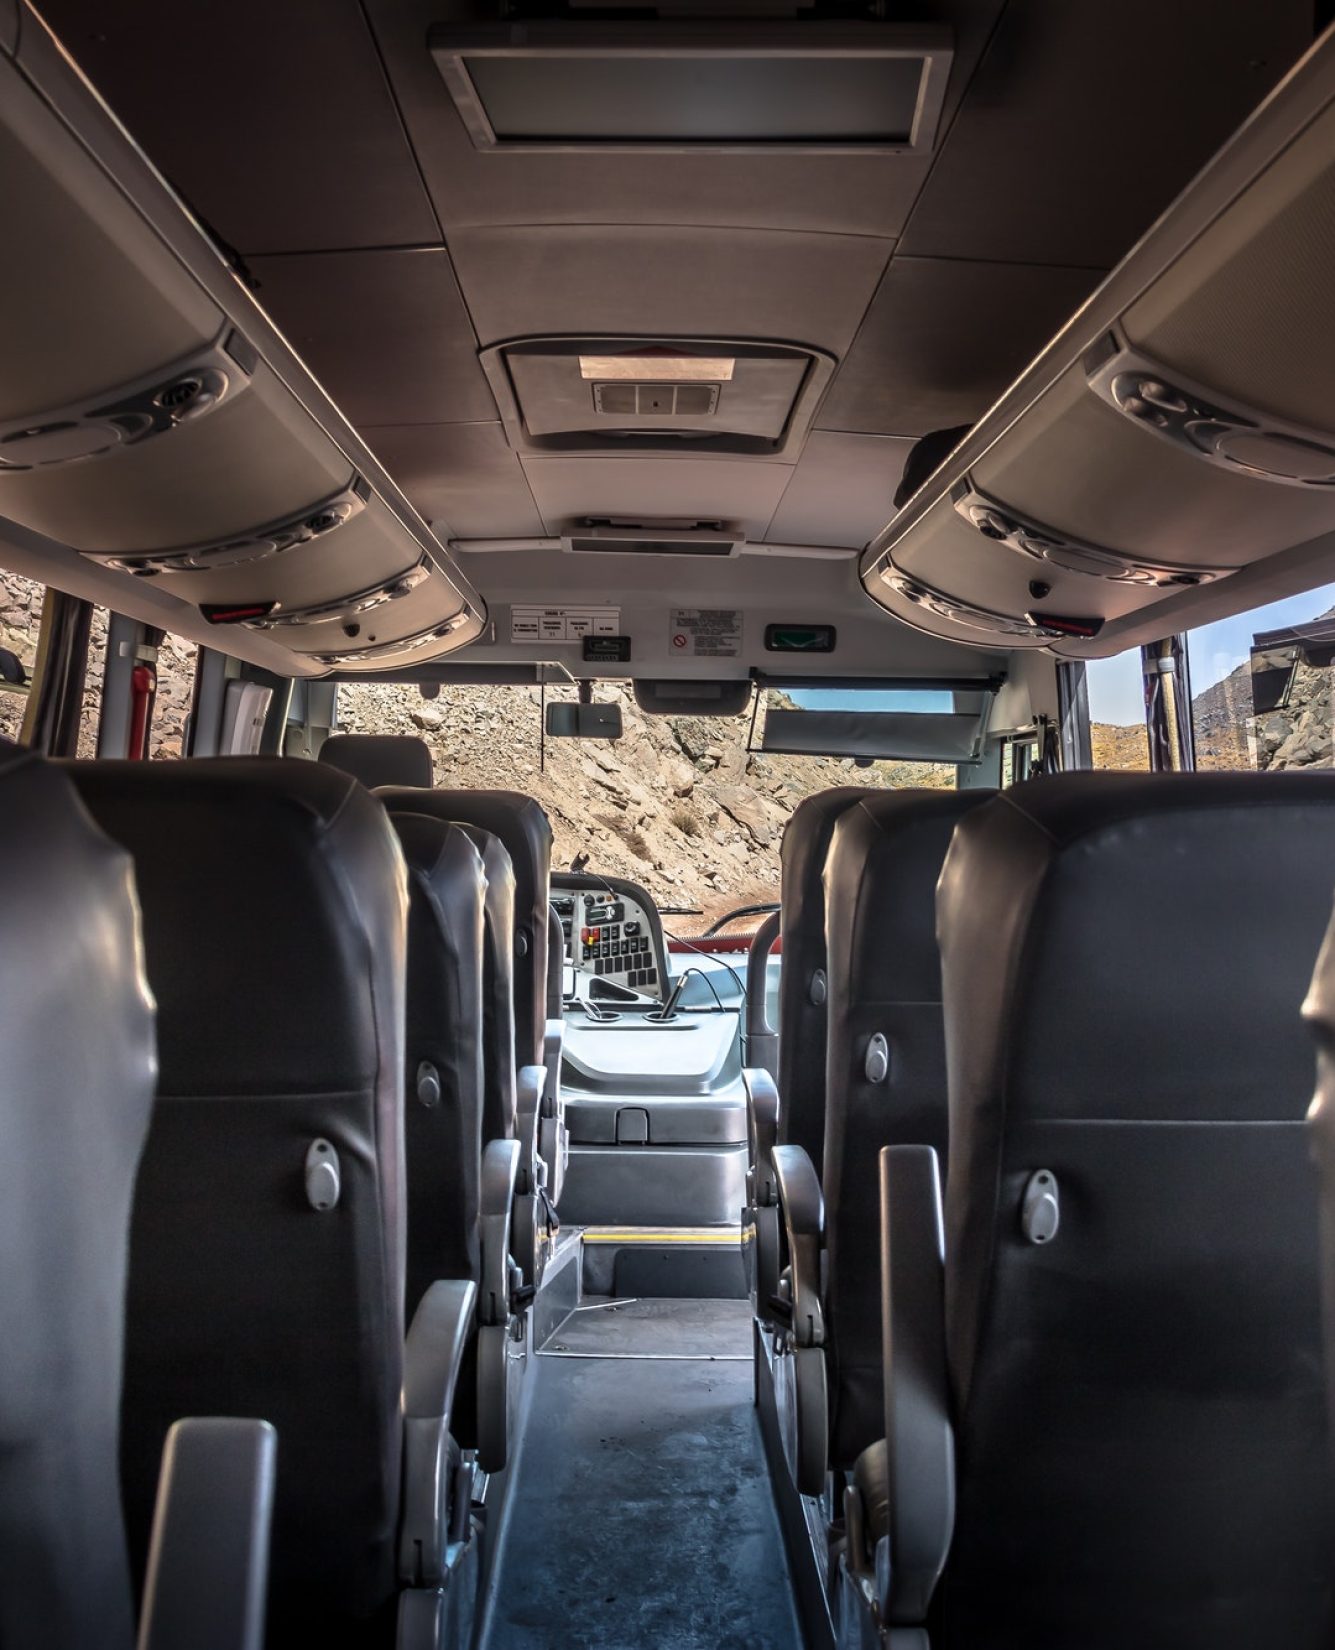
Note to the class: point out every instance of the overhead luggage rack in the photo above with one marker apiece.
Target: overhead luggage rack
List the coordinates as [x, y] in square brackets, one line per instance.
[162, 450]
[1170, 458]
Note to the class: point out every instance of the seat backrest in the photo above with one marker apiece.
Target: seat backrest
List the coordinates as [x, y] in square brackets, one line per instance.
[443, 1083]
[380, 758]
[1319, 1012]
[1140, 1419]
[76, 1028]
[884, 969]
[556, 964]
[275, 904]
[803, 985]
[498, 977]
[526, 834]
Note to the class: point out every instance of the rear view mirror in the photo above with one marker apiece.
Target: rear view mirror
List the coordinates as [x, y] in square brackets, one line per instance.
[565, 721]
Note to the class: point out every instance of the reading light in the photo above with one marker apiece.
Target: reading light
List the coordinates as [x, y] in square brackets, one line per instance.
[651, 368]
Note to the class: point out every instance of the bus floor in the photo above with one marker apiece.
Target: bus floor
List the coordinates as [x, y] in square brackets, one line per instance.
[643, 1514]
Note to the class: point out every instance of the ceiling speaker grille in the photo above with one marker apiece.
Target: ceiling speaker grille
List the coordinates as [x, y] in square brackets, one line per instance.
[656, 400]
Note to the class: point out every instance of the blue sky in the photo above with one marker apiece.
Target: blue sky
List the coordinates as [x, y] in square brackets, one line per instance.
[1215, 650]
[861, 699]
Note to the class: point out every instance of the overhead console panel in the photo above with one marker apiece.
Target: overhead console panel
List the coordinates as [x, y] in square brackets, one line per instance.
[1171, 456]
[684, 84]
[678, 395]
[161, 448]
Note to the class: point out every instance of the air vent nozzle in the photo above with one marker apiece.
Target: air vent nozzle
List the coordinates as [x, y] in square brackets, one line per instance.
[1208, 426]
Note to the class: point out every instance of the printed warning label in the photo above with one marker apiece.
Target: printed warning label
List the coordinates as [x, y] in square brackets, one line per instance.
[563, 624]
[706, 632]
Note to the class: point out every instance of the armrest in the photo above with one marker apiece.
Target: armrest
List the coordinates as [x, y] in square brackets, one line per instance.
[920, 1456]
[762, 1129]
[434, 1349]
[208, 1561]
[762, 1193]
[500, 1173]
[803, 1211]
[432, 1354]
[553, 1045]
[530, 1081]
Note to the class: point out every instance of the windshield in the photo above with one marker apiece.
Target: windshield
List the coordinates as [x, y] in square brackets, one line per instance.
[677, 804]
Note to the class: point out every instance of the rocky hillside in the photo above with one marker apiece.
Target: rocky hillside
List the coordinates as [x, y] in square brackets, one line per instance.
[1229, 736]
[676, 804]
[1298, 736]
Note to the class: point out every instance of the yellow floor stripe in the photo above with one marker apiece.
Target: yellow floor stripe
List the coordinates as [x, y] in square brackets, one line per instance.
[710, 1236]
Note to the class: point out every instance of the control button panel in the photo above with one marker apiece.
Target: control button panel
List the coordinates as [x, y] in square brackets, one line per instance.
[614, 941]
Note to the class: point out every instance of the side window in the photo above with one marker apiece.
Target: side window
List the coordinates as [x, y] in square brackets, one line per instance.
[1117, 712]
[1261, 686]
[1019, 759]
[20, 617]
[171, 708]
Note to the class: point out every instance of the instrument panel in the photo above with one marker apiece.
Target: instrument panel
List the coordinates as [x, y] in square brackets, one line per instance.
[612, 935]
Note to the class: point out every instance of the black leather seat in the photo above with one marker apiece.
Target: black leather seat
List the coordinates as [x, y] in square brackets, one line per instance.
[886, 1067]
[76, 1027]
[275, 905]
[526, 834]
[1135, 1362]
[443, 1080]
[803, 981]
[522, 828]
[498, 986]
[399, 766]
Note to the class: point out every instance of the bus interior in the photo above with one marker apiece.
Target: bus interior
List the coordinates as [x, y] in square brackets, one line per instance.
[666, 728]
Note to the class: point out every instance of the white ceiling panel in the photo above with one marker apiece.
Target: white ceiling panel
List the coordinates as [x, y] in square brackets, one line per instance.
[463, 478]
[386, 333]
[1087, 117]
[274, 120]
[808, 289]
[943, 339]
[658, 488]
[842, 491]
[853, 194]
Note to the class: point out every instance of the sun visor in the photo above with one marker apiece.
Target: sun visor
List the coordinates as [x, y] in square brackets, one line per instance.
[879, 735]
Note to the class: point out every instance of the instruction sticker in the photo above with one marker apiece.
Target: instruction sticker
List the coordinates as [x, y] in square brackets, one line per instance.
[563, 624]
[706, 632]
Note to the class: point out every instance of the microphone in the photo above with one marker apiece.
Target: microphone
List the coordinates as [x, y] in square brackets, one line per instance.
[669, 1008]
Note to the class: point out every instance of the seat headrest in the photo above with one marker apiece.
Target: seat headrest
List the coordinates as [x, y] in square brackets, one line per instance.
[381, 759]
[1136, 946]
[526, 832]
[275, 913]
[881, 871]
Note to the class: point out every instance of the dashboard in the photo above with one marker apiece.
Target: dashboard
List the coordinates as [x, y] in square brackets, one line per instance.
[612, 933]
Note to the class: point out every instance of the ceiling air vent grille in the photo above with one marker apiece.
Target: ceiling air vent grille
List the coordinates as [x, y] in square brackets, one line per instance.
[664, 538]
[656, 400]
